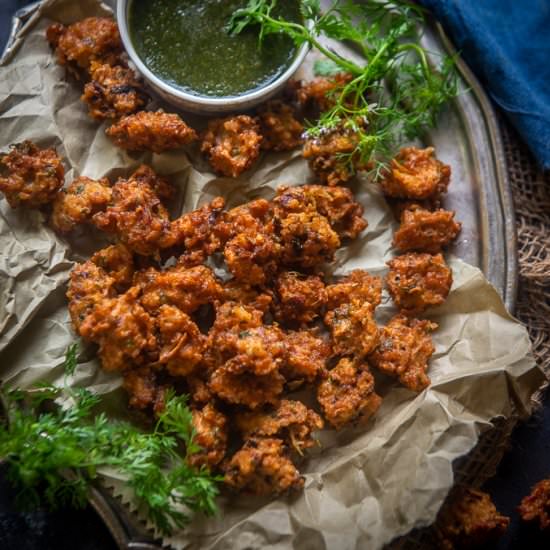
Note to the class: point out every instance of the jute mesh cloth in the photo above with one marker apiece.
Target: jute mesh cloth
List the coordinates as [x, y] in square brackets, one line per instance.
[531, 193]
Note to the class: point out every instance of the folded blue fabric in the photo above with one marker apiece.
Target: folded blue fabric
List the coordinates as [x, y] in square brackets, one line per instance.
[506, 43]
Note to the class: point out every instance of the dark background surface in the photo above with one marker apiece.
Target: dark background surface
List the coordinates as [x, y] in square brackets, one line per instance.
[526, 462]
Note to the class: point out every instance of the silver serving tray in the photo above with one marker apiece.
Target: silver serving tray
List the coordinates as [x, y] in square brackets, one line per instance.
[468, 138]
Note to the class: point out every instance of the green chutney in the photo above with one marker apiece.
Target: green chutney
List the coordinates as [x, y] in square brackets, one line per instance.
[185, 43]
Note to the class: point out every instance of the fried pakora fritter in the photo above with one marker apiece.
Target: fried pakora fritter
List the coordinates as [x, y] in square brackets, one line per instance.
[262, 467]
[469, 520]
[181, 341]
[290, 421]
[322, 91]
[404, 350]
[30, 176]
[536, 506]
[195, 230]
[416, 174]
[136, 215]
[117, 261]
[211, 435]
[359, 285]
[251, 250]
[79, 202]
[92, 39]
[347, 395]
[143, 389]
[252, 258]
[343, 213]
[306, 358]
[246, 388]
[307, 240]
[232, 144]
[151, 131]
[418, 281]
[425, 231]
[89, 285]
[353, 329]
[185, 288]
[123, 330]
[279, 127]
[298, 298]
[113, 91]
[333, 155]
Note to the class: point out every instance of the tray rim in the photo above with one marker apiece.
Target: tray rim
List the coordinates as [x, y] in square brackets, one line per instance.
[116, 517]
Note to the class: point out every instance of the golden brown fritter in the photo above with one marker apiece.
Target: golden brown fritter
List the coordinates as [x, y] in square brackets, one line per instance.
[259, 350]
[195, 230]
[144, 391]
[352, 328]
[333, 154]
[89, 285]
[469, 520]
[252, 258]
[30, 176]
[246, 388]
[251, 250]
[182, 344]
[117, 261]
[307, 240]
[151, 131]
[335, 203]
[290, 421]
[239, 341]
[425, 231]
[359, 285]
[211, 434]
[123, 330]
[136, 215]
[322, 91]
[298, 298]
[404, 350]
[347, 395]
[536, 506]
[306, 358]
[416, 174]
[262, 467]
[279, 127]
[92, 39]
[232, 144]
[79, 202]
[418, 281]
[113, 92]
[185, 288]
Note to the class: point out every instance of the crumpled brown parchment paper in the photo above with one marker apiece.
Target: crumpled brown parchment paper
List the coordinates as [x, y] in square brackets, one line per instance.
[363, 488]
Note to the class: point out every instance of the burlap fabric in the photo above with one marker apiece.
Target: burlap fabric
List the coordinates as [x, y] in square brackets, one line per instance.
[531, 193]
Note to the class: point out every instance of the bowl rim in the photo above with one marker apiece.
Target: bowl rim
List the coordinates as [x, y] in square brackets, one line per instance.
[206, 101]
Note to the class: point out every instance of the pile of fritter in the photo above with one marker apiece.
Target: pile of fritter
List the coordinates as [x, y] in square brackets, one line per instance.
[160, 316]
[92, 51]
[239, 346]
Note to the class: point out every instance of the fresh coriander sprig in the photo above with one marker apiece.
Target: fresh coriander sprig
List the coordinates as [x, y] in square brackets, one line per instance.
[395, 94]
[54, 453]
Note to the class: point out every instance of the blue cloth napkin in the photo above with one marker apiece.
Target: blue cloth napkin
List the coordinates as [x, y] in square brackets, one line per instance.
[507, 44]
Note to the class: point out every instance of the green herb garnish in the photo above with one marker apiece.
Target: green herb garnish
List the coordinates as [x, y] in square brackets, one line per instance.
[395, 94]
[53, 453]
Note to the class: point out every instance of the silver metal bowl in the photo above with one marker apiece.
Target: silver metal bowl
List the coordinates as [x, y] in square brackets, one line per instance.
[196, 103]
